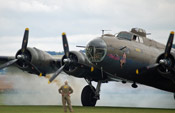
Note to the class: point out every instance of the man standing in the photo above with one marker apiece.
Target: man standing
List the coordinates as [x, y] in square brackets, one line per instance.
[66, 90]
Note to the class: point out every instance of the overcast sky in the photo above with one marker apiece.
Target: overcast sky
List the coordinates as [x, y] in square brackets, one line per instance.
[82, 20]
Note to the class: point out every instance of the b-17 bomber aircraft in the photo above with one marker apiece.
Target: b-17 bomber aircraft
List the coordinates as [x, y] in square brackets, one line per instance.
[125, 57]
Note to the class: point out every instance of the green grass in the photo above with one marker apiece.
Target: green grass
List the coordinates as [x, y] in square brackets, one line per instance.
[59, 109]
[1, 99]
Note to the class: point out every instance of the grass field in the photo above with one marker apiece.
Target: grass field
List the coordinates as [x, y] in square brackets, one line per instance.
[78, 109]
[1, 99]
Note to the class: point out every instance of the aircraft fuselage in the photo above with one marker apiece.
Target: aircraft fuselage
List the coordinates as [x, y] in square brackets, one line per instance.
[121, 59]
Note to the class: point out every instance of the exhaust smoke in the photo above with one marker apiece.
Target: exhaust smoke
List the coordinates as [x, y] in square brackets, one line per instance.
[34, 90]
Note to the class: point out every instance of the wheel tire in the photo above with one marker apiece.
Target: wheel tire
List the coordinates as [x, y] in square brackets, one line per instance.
[87, 96]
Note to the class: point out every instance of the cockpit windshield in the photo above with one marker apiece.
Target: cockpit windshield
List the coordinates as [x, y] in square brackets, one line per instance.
[125, 36]
[96, 50]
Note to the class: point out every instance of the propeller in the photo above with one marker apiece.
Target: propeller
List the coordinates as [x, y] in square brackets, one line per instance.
[165, 62]
[22, 57]
[8, 63]
[169, 45]
[65, 44]
[25, 40]
[67, 60]
[56, 74]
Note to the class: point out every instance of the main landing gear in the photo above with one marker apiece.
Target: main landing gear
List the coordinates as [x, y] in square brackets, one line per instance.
[90, 95]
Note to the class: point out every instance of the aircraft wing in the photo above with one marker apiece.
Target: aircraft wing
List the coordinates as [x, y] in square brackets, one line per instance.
[40, 66]
[152, 77]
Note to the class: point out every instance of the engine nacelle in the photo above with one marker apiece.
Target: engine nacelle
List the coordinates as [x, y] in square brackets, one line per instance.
[42, 60]
[76, 68]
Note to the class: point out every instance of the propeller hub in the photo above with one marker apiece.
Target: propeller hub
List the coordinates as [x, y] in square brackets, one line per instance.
[166, 62]
[163, 61]
[21, 57]
[67, 60]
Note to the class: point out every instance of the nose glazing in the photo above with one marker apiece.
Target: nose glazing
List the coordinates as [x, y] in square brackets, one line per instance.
[96, 50]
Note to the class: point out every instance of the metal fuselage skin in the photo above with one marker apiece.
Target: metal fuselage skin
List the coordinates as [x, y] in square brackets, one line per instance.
[123, 57]
[137, 55]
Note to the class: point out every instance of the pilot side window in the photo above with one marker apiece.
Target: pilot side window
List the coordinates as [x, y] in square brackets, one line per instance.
[125, 36]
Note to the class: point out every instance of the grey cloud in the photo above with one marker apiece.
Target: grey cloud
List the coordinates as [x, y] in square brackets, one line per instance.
[86, 16]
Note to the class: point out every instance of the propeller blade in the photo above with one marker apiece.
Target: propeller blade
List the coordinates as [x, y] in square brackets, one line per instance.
[8, 63]
[56, 74]
[152, 66]
[169, 45]
[65, 44]
[25, 40]
[34, 68]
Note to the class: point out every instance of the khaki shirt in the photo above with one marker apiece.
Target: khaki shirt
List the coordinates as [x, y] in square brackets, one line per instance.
[65, 90]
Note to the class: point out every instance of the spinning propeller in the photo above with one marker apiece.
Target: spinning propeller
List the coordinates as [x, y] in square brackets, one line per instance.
[165, 62]
[22, 56]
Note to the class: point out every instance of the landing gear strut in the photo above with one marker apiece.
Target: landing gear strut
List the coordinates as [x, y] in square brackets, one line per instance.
[90, 95]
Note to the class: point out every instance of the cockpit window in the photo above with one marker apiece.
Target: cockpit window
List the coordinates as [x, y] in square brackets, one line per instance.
[125, 35]
[95, 54]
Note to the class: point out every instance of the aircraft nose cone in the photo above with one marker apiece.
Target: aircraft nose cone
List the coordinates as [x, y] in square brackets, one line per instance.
[98, 43]
[96, 50]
